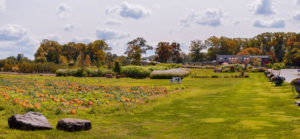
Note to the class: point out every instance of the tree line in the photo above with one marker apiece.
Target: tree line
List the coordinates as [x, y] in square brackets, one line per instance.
[279, 46]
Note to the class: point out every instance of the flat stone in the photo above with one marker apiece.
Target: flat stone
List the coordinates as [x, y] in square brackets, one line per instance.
[72, 125]
[297, 103]
[29, 121]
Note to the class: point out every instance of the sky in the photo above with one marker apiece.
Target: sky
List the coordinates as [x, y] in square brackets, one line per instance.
[25, 23]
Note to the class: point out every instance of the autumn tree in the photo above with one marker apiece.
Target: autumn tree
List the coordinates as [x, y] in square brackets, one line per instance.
[51, 50]
[163, 52]
[292, 58]
[176, 51]
[250, 51]
[87, 61]
[80, 60]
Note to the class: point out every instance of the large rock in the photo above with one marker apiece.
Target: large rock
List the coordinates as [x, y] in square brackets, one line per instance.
[72, 125]
[29, 121]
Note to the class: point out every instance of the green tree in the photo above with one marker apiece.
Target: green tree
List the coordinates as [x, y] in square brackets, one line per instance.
[135, 49]
[117, 66]
[195, 51]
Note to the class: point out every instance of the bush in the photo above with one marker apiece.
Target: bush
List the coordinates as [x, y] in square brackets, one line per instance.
[117, 66]
[232, 68]
[269, 66]
[135, 72]
[278, 80]
[168, 74]
[278, 66]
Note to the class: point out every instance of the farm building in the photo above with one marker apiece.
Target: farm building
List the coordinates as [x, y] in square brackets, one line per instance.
[238, 59]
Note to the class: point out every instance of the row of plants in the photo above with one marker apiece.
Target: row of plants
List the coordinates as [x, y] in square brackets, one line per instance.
[230, 68]
[63, 96]
[168, 74]
[26, 67]
[118, 70]
[276, 79]
[275, 66]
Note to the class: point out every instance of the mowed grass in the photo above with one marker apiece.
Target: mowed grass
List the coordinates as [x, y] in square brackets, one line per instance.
[207, 108]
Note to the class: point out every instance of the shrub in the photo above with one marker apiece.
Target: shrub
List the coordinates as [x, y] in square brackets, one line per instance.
[168, 74]
[278, 66]
[117, 66]
[232, 68]
[269, 66]
[278, 80]
[135, 72]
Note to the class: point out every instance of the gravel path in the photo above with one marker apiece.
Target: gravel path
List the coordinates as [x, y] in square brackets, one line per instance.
[288, 74]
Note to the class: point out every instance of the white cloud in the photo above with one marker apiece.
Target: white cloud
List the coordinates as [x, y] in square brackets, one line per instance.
[110, 34]
[210, 17]
[52, 37]
[63, 10]
[16, 39]
[12, 32]
[269, 24]
[297, 16]
[118, 47]
[128, 10]
[262, 7]
[112, 22]
[2, 6]
[69, 27]
[298, 2]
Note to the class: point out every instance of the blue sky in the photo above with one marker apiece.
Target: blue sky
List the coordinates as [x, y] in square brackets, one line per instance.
[24, 23]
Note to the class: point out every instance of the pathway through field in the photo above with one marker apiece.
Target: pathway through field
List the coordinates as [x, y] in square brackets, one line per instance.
[220, 108]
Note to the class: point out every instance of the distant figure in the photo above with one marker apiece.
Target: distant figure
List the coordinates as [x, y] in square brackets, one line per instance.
[176, 80]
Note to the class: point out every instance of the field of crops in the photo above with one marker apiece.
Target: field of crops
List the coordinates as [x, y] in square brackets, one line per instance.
[66, 96]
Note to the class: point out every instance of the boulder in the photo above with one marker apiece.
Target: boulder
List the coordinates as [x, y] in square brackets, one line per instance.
[29, 121]
[72, 125]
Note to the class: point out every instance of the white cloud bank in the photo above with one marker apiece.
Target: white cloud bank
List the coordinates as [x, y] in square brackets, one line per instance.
[69, 27]
[209, 17]
[16, 39]
[269, 24]
[263, 7]
[128, 10]
[63, 10]
[297, 16]
[110, 34]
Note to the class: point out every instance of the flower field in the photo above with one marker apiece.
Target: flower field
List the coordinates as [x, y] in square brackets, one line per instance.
[65, 96]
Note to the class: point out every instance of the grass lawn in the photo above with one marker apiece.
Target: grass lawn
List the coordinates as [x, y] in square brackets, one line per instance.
[206, 108]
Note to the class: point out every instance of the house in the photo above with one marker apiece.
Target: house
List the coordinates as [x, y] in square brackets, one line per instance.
[239, 59]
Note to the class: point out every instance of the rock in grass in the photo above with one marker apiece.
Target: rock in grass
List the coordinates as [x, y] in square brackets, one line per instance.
[72, 125]
[29, 121]
[297, 103]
